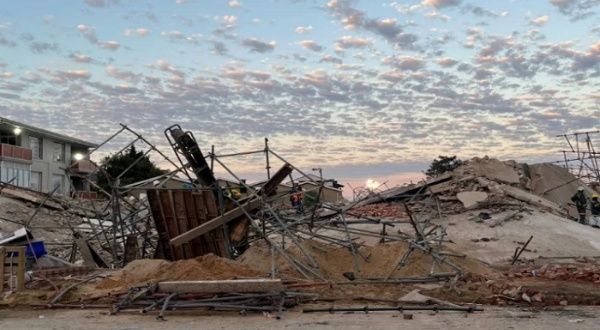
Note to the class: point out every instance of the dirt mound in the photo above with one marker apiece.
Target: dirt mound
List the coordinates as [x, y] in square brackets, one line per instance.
[376, 261]
[207, 267]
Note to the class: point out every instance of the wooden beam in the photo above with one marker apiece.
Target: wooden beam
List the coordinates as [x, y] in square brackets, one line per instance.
[2, 255]
[270, 187]
[223, 286]
[21, 269]
[215, 223]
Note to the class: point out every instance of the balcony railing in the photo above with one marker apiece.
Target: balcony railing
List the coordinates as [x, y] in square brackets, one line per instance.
[16, 153]
[83, 166]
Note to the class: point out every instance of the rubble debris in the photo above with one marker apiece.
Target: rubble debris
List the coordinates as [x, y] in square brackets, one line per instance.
[381, 210]
[471, 198]
[241, 246]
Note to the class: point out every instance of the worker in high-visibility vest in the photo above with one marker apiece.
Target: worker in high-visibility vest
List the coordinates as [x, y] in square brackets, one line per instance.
[580, 201]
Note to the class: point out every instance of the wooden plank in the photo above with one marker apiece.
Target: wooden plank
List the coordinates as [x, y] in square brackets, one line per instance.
[86, 253]
[215, 223]
[215, 238]
[181, 220]
[131, 249]
[2, 256]
[166, 203]
[270, 187]
[163, 248]
[21, 269]
[201, 212]
[223, 286]
[192, 219]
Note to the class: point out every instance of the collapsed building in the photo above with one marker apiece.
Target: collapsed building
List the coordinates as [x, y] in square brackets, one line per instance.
[488, 232]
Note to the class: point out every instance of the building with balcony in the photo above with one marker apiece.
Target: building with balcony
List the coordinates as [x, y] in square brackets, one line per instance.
[41, 160]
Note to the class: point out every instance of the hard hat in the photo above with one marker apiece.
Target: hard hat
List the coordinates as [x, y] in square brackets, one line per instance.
[595, 196]
[580, 188]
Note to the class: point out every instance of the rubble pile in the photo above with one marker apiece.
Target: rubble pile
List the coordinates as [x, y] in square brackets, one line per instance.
[381, 210]
[489, 231]
[586, 272]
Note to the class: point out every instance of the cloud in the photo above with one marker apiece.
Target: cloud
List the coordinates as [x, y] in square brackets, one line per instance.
[37, 47]
[229, 20]
[409, 63]
[110, 45]
[141, 32]
[330, 59]
[119, 74]
[440, 3]
[388, 28]
[165, 66]
[576, 9]
[310, 45]
[218, 48]
[80, 58]
[259, 46]
[446, 62]
[480, 11]
[541, 20]
[6, 75]
[474, 34]
[88, 33]
[303, 29]
[75, 74]
[234, 4]
[437, 15]
[173, 34]
[6, 42]
[346, 42]
[100, 3]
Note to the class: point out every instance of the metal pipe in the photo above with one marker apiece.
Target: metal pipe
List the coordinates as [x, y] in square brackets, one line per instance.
[367, 309]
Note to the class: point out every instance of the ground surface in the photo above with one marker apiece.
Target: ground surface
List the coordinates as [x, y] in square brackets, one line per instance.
[492, 318]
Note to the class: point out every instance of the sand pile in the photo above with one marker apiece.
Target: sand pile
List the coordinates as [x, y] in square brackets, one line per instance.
[376, 261]
[207, 267]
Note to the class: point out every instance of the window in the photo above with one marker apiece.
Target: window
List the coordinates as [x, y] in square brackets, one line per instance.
[35, 144]
[58, 181]
[15, 173]
[58, 152]
[36, 181]
[8, 138]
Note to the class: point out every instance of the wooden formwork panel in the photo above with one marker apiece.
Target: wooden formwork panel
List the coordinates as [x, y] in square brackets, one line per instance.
[17, 266]
[177, 211]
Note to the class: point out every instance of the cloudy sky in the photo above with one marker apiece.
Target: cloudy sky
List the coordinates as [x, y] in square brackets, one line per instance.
[360, 88]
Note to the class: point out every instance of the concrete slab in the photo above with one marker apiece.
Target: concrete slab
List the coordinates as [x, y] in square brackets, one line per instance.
[471, 198]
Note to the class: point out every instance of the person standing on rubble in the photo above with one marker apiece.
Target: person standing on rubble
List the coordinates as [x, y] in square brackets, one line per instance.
[296, 200]
[595, 206]
[300, 200]
[580, 201]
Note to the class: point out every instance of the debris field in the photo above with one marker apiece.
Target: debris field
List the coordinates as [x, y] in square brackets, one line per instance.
[489, 232]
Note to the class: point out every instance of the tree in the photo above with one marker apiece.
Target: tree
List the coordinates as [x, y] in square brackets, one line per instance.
[142, 170]
[443, 164]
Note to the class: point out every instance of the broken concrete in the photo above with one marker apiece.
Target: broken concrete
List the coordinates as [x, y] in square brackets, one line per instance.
[471, 199]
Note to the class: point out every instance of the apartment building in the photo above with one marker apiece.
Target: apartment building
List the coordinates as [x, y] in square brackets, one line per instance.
[38, 159]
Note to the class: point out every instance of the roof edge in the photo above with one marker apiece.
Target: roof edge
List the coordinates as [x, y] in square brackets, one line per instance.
[45, 132]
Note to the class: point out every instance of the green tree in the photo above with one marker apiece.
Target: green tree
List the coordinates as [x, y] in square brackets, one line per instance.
[442, 164]
[142, 170]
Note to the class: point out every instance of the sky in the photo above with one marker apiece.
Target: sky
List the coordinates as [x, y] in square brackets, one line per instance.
[363, 89]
